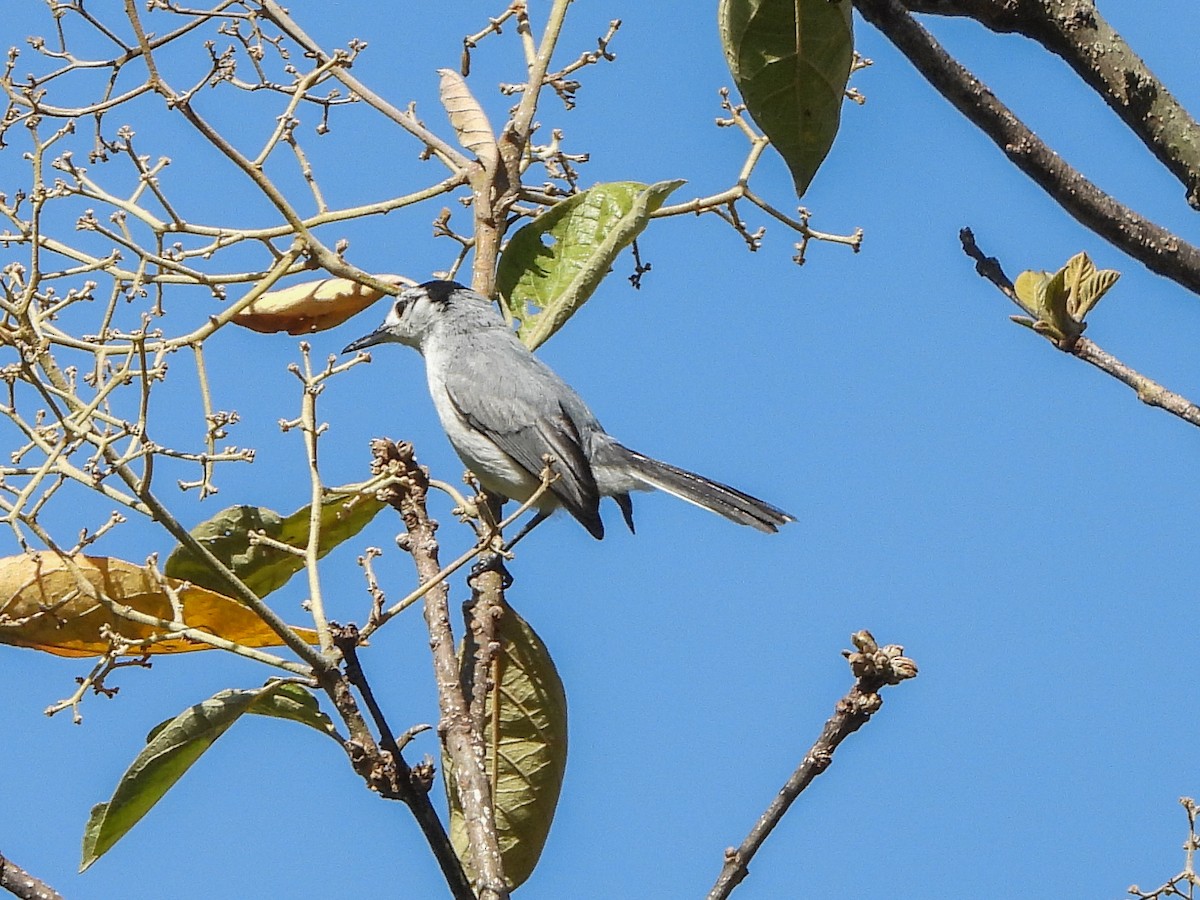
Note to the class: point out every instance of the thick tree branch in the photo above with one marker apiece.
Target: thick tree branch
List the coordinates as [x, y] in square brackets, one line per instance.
[21, 884]
[463, 744]
[873, 667]
[1076, 31]
[1155, 247]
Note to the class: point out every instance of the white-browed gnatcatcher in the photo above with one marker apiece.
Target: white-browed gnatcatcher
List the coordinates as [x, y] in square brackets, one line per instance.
[503, 409]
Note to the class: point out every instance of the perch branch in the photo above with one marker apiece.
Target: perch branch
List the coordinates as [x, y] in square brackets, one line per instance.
[463, 744]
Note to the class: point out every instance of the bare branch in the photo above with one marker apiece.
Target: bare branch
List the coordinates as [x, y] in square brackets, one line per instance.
[409, 790]
[452, 158]
[1076, 31]
[724, 203]
[1155, 247]
[873, 667]
[1185, 883]
[463, 743]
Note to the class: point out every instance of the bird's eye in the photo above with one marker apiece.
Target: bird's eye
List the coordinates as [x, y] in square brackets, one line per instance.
[401, 305]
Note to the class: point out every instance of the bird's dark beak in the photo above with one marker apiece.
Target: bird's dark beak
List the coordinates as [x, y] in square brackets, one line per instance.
[378, 336]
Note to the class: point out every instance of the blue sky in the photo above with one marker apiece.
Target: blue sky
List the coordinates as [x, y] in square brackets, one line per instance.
[1016, 519]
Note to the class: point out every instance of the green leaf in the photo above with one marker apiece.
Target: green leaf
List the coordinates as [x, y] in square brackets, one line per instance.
[173, 746]
[297, 703]
[344, 513]
[1078, 267]
[1044, 296]
[526, 748]
[790, 60]
[286, 700]
[1086, 285]
[1052, 298]
[1030, 286]
[543, 284]
[1063, 300]
[1095, 286]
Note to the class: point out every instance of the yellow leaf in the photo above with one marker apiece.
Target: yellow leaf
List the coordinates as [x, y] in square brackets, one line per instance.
[1029, 287]
[41, 606]
[1078, 267]
[1092, 288]
[311, 306]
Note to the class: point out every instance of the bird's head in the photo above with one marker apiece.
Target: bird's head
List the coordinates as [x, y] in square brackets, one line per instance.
[419, 311]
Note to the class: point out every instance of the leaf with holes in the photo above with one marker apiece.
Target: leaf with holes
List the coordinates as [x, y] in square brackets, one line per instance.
[525, 747]
[552, 265]
[790, 60]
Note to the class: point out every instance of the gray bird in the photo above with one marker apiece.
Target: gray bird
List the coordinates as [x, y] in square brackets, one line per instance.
[503, 409]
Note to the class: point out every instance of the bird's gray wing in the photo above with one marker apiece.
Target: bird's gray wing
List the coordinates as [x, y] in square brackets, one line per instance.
[523, 408]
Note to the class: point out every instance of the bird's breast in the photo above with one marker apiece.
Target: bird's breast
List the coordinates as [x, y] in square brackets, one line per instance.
[495, 469]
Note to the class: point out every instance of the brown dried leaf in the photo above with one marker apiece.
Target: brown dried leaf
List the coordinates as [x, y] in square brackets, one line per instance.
[42, 607]
[311, 306]
[468, 118]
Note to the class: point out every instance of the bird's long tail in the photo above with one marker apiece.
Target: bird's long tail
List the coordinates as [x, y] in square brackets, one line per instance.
[711, 495]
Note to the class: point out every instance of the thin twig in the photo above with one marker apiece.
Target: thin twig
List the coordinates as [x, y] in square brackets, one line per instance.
[1185, 883]
[874, 667]
[724, 203]
[1148, 390]
[313, 385]
[449, 155]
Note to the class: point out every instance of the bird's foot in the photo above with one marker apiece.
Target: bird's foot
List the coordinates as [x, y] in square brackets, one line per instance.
[491, 562]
